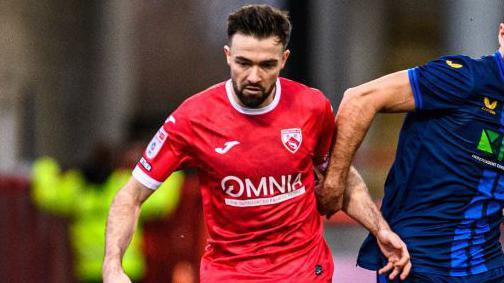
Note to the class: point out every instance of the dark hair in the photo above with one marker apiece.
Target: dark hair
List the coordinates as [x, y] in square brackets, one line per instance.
[260, 21]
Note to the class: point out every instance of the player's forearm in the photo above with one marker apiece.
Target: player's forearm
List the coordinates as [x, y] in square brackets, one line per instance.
[121, 224]
[357, 203]
[352, 122]
[390, 93]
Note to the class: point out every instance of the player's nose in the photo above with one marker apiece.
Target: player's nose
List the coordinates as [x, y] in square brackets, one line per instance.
[254, 76]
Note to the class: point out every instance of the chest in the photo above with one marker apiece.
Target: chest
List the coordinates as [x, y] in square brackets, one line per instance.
[255, 146]
[473, 128]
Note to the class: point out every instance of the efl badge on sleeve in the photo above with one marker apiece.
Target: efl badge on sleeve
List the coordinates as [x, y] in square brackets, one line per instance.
[291, 139]
[156, 143]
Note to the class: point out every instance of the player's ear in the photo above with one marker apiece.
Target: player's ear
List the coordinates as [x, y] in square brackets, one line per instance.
[501, 35]
[227, 53]
[285, 56]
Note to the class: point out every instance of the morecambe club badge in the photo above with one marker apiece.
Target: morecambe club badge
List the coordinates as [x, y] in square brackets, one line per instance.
[291, 139]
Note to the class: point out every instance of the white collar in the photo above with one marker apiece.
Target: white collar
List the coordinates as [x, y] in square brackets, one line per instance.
[253, 111]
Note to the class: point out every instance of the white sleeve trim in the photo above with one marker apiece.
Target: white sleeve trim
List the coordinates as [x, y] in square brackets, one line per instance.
[145, 179]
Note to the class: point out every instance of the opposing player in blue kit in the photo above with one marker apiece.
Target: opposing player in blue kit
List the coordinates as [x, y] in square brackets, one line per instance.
[444, 194]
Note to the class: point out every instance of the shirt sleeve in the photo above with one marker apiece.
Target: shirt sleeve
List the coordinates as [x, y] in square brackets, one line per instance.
[325, 139]
[167, 151]
[442, 84]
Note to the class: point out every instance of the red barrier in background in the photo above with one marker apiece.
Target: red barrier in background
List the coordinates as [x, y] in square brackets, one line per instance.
[179, 239]
[33, 247]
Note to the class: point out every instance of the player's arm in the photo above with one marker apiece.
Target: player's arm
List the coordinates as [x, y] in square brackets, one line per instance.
[391, 93]
[357, 203]
[121, 225]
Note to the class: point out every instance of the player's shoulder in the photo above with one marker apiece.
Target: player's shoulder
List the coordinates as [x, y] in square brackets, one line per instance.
[472, 69]
[303, 93]
[447, 68]
[482, 65]
[289, 86]
[198, 102]
[459, 63]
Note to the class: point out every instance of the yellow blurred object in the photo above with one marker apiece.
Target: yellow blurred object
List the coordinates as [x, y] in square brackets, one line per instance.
[67, 194]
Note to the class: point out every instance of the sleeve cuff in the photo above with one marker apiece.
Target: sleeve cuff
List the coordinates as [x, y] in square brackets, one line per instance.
[145, 179]
[417, 95]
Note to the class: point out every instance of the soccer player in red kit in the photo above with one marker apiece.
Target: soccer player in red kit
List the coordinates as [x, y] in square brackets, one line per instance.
[256, 141]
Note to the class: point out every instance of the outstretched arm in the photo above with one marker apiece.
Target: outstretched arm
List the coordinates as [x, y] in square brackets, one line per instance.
[391, 93]
[121, 224]
[357, 203]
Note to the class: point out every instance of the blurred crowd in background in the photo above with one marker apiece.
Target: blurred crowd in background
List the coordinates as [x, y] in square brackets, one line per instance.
[85, 84]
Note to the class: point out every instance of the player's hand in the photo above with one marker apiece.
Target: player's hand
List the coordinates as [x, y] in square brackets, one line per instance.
[329, 196]
[396, 253]
[116, 275]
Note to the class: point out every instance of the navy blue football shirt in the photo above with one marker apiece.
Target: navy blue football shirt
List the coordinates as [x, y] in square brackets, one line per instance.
[444, 194]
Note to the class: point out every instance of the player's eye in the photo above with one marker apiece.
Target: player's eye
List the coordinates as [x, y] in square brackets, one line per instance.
[268, 65]
[243, 63]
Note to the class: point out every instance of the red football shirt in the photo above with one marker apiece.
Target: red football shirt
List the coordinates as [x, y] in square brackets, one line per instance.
[257, 182]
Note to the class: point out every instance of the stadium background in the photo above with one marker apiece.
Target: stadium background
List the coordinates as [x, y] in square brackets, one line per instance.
[77, 73]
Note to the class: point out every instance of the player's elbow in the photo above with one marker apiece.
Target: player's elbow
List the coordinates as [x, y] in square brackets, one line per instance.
[125, 197]
[358, 95]
[356, 101]
[122, 199]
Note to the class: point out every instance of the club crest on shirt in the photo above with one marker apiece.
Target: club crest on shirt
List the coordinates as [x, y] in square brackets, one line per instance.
[291, 139]
[156, 143]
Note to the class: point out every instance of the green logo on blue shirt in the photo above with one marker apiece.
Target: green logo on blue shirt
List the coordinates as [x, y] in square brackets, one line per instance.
[491, 143]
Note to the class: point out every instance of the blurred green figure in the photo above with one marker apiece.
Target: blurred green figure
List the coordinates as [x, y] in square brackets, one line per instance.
[71, 194]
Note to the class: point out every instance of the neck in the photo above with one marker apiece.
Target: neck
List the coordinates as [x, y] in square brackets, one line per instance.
[501, 50]
[270, 98]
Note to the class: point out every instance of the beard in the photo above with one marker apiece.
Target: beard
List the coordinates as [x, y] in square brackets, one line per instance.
[252, 101]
